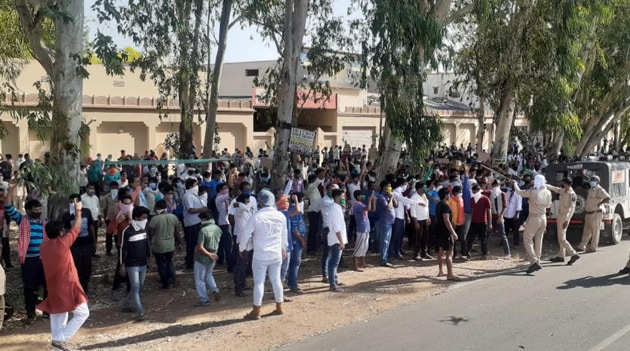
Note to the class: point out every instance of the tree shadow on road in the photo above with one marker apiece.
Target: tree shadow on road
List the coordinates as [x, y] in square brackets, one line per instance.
[596, 282]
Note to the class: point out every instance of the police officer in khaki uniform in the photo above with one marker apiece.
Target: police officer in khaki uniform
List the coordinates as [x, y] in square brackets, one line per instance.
[539, 201]
[566, 208]
[592, 223]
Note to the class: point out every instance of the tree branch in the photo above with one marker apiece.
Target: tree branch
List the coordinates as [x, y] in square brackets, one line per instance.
[457, 15]
[32, 25]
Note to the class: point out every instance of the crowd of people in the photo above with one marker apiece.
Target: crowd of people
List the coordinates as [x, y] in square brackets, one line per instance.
[331, 205]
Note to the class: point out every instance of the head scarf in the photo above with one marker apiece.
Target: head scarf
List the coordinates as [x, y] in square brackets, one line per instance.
[283, 203]
[266, 198]
[540, 181]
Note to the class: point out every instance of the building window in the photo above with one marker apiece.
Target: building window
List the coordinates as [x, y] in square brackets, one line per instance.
[251, 73]
[436, 90]
[119, 84]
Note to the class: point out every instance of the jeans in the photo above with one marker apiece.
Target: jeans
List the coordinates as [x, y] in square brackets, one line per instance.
[374, 238]
[325, 252]
[225, 248]
[166, 269]
[333, 262]
[136, 280]
[82, 256]
[385, 234]
[398, 231]
[260, 268]
[61, 329]
[294, 265]
[500, 228]
[204, 279]
[191, 234]
[33, 278]
[284, 269]
[477, 230]
[240, 271]
[314, 225]
[6, 252]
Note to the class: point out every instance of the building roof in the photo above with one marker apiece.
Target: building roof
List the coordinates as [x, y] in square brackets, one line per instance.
[444, 104]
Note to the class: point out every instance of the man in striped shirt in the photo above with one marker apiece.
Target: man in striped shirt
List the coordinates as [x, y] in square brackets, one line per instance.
[32, 235]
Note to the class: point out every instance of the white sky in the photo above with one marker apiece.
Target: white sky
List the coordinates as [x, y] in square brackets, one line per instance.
[243, 44]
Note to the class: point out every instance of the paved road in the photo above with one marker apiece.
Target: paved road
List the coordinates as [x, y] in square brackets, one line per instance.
[584, 307]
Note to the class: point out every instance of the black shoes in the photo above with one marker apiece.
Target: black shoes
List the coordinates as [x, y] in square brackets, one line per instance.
[534, 267]
[573, 259]
[625, 270]
[557, 259]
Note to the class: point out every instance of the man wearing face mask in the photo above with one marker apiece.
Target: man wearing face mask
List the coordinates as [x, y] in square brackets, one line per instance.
[480, 222]
[108, 204]
[91, 202]
[32, 235]
[566, 208]
[135, 253]
[398, 229]
[597, 196]
[192, 222]
[222, 202]
[539, 201]
[385, 206]
[151, 194]
[165, 233]
[83, 247]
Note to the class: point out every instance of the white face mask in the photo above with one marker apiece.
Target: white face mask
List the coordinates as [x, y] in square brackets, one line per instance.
[72, 210]
[139, 225]
[204, 198]
[593, 184]
[194, 190]
[476, 196]
[114, 193]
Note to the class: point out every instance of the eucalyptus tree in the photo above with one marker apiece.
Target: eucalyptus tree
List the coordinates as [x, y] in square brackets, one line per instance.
[288, 24]
[171, 38]
[403, 38]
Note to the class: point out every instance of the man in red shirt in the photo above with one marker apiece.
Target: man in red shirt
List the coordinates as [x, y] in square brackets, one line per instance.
[480, 223]
[65, 293]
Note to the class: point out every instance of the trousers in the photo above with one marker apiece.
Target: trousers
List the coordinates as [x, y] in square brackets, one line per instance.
[32, 277]
[590, 234]
[533, 237]
[62, 329]
[261, 267]
[565, 246]
[240, 271]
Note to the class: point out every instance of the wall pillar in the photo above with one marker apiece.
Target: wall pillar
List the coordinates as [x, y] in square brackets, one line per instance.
[22, 126]
[151, 133]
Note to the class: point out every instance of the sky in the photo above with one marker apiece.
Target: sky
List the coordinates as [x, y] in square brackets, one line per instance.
[243, 44]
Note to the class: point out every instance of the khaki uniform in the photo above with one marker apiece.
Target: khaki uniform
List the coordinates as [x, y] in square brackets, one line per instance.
[566, 208]
[593, 218]
[539, 202]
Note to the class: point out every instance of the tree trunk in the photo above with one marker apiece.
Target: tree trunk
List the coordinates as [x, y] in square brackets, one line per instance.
[390, 153]
[186, 77]
[293, 35]
[481, 120]
[502, 134]
[213, 103]
[556, 145]
[67, 100]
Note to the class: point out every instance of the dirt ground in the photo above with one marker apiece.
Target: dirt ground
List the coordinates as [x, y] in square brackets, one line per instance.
[174, 323]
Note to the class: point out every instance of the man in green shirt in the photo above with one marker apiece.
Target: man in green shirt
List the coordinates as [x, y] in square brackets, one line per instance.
[205, 258]
[165, 231]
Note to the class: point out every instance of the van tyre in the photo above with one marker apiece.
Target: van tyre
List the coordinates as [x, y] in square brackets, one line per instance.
[615, 230]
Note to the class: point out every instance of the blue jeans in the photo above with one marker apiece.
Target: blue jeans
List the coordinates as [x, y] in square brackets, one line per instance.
[398, 232]
[325, 252]
[204, 279]
[334, 255]
[284, 269]
[500, 228]
[136, 280]
[294, 265]
[385, 235]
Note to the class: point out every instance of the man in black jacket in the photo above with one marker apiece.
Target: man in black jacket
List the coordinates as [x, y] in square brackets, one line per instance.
[83, 247]
[134, 257]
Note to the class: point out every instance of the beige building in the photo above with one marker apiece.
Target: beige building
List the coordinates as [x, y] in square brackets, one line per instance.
[122, 114]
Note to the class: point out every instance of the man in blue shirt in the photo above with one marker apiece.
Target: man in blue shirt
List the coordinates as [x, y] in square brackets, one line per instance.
[434, 199]
[385, 206]
[32, 235]
[373, 216]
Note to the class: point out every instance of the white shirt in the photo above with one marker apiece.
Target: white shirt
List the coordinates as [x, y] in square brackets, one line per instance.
[222, 203]
[337, 225]
[420, 213]
[252, 202]
[93, 204]
[326, 208]
[351, 189]
[314, 197]
[268, 230]
[242, 214]
[189, 201]
[514, 204]
[403, 203]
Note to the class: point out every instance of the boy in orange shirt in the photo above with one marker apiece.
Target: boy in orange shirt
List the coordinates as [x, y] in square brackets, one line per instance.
[456, 203]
